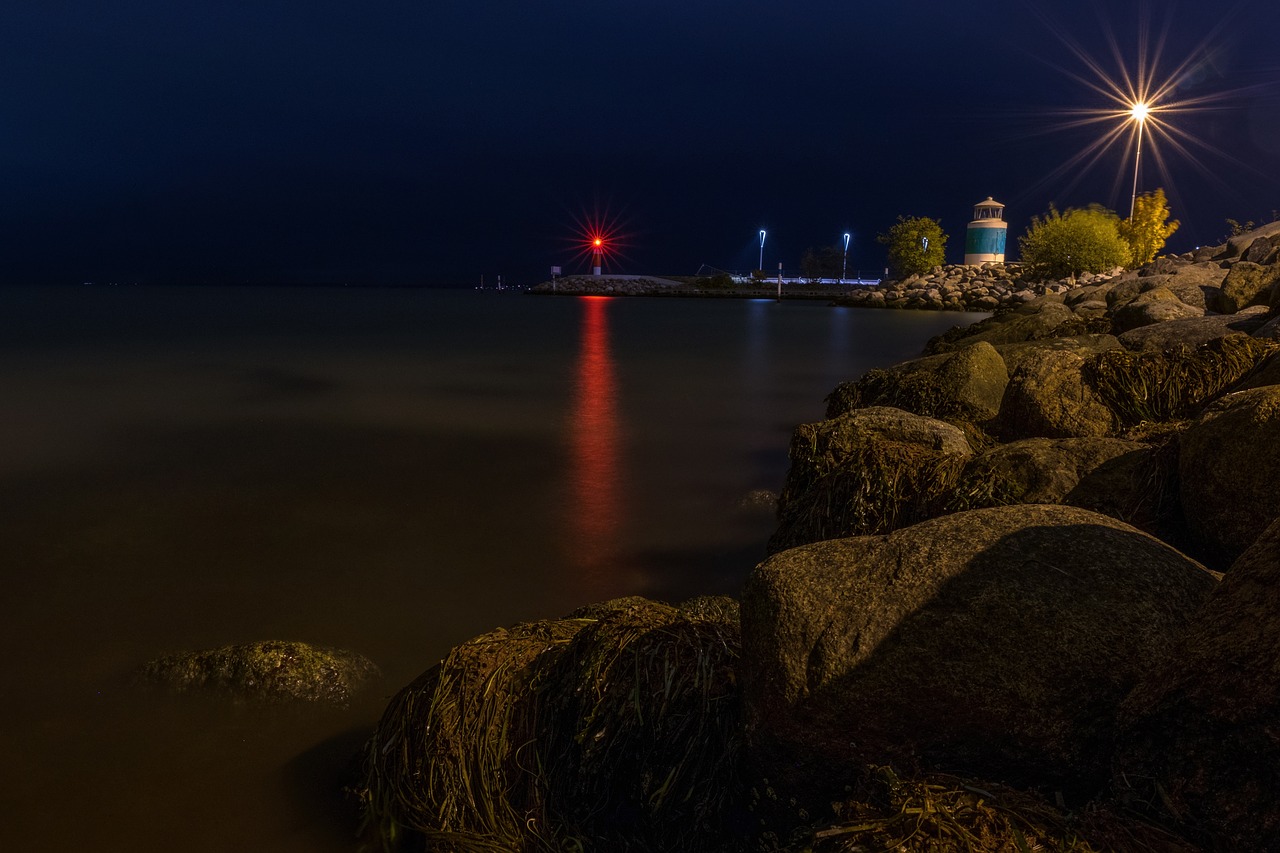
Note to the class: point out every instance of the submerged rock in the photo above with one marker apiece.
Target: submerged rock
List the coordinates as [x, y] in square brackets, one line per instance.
[271, 671]
[996, 641]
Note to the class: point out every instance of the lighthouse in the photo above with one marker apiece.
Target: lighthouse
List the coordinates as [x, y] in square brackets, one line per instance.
[984, 241]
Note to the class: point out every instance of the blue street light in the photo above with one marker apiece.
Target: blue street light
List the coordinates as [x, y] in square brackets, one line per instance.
[844, 264]
[761, 265]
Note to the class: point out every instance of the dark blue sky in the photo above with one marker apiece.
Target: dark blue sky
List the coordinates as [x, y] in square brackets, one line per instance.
[432, 142]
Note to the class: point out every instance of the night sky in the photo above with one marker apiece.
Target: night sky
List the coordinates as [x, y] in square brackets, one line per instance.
[432, 142]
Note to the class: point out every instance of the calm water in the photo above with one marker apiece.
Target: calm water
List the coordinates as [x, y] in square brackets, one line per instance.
[387, 471]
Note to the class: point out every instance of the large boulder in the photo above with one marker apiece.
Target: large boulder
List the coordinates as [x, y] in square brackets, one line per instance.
[270, 672]
[996, 641]
[1246, 284]
[1201, 733]
[1229, 467]
[1194, 330]
[1158, 305]
[1048, 397]
[965, 385]
[869, 471]
[1193, 284]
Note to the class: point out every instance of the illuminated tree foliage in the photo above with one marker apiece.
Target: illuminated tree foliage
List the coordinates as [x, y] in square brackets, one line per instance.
[1075, 241]
[1148, 228]
[916, 245]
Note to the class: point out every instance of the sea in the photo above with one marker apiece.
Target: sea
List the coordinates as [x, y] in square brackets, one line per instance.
[390, 471]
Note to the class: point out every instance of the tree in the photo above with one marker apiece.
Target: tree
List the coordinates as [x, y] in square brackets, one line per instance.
[1148, 228]
[916, 245]
[1075, 241]
[825, 262]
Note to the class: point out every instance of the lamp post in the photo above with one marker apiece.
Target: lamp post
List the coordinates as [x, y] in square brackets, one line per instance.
[760, 266]
[844, 263]
[1139, 113]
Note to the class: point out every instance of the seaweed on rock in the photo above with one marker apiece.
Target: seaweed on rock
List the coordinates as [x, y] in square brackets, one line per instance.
[942, 813]
[614, 731]
[1174, 384]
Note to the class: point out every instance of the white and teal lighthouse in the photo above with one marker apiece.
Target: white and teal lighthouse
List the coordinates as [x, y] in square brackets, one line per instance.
[984, 241]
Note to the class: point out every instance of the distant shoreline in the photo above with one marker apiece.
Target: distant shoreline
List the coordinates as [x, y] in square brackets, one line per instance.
[686, 288]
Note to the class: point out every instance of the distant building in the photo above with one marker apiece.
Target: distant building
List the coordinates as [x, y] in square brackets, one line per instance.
[984, 241]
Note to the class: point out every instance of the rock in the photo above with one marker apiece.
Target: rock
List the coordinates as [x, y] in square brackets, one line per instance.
[1192, 330]
[1263, 250]
[1031, 322]
[993, 641]
[869, 471]
[1203, 726]
[535, 732]
[1246, 284]
[1158, 305]
[1048, 397]
[1091, 309]
[1238, 245]
[966, 385]
[1229, 466]
[268, 672]
[1270, 331]
[1115, 477]
[1192, 283]
[1174, 384]
[973, 382]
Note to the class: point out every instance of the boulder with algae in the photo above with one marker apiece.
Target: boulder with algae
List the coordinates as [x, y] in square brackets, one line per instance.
[614, 728]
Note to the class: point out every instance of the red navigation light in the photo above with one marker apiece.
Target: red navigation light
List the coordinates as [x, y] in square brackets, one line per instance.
[597, 242]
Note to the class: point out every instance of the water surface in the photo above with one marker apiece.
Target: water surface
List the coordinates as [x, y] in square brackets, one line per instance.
[390, 471]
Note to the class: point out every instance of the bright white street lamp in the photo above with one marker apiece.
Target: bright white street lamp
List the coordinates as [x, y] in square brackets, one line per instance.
[1138, 112]
[844, 263]
[761, 264]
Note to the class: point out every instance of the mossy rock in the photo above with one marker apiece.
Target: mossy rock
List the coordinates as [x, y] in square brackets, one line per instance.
[1176, 383]
[1033, 321]
[1126, 480]
[1246, 284]
[617, 729]
[1047, 396]
[269, 672]
[870, 471]
[966, 385]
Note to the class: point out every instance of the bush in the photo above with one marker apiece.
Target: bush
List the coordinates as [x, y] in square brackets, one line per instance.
[1074, 242]
[916, 245]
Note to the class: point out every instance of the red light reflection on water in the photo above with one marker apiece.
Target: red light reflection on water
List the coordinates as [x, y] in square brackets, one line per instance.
[595, 510]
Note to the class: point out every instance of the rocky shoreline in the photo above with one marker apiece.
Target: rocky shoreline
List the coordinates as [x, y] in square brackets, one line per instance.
[1023, 594]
